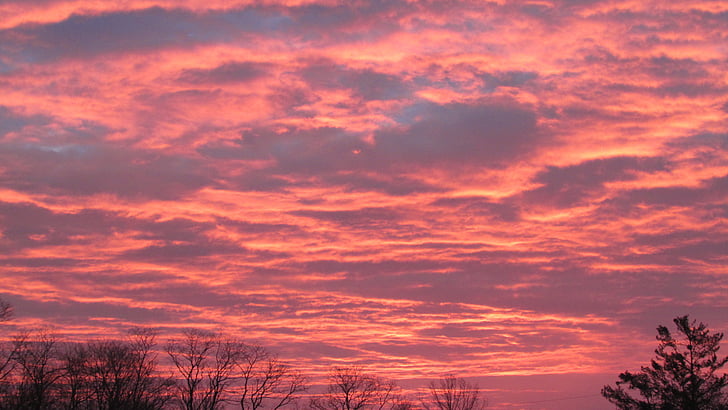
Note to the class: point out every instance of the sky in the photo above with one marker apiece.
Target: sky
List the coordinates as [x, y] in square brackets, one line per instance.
[516, 192]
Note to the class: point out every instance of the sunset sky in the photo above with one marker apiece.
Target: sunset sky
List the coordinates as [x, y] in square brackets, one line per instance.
[517, 192]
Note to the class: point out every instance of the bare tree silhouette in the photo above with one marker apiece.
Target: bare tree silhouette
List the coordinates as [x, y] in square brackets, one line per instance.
[453, 393]
[6, 310]
[77, 393]
[123, 374]
[7, 351]
[266, 381]
[403, 403]
[205, 362]
[352, 389]
[39, 368]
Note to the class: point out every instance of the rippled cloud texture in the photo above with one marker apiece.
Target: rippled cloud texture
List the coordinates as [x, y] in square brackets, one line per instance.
[513, 190]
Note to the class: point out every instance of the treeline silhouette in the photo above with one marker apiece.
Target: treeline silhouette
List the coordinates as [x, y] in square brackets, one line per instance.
[201, 370]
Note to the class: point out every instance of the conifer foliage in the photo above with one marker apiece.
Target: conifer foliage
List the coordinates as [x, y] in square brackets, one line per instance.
[684, 375]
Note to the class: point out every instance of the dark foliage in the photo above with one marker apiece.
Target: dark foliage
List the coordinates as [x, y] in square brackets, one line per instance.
[682, 376]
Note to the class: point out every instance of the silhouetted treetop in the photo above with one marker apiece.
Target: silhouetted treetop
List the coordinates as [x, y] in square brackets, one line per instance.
[453, 393]
[350, 388]
[683, 375]
[6, 310]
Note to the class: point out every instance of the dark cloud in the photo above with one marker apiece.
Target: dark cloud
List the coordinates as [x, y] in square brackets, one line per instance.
[482, 134]
[479, 206]
[92, 169]
[666, 238]
[71, 313]
[319, 350]
[395, 185]
[366, 84]
[705, 148]
[367, 218]
[260, 180]
[255, 228]
[90, 35]
[318, 151]
[284, 331]
[199, 250]
[711, 190]
[168, 102]
[182, 253]
[31, 2]
[173, 230]
[500, 336]
[230, 72]
[672, 252]
[428, 351]
[663, 76]
[567, 284]
[12, 121]
[349, 22]
[675, 68]
[576, 184]
[42, 262]
[27, 225]
[695, 88]
[382, 222]
[507, 79]
[204, 295]
[291, 99]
